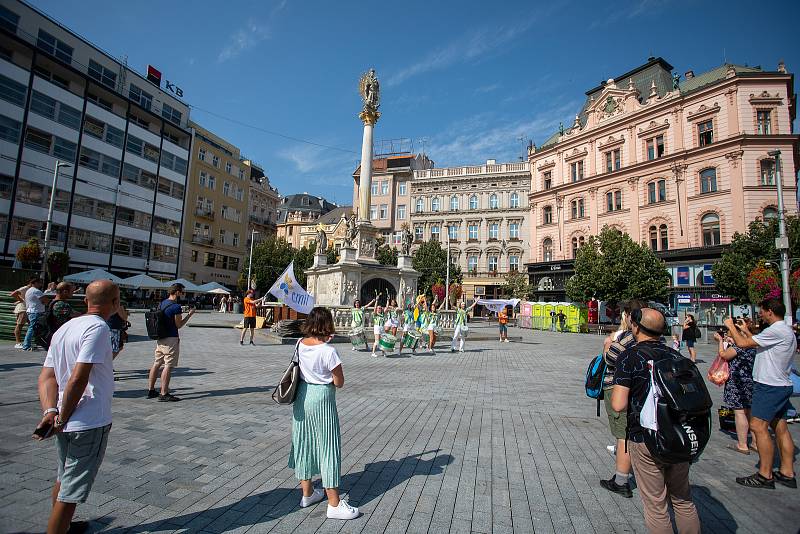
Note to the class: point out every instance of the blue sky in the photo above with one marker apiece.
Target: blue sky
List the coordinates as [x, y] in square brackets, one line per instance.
[470, 78]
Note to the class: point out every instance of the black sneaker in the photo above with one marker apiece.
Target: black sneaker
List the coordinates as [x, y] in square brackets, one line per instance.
[251, 342]
[789, 482]
[241, 342]
[168, 398]
[756, 480]
[78, 527]
[621, 489]
[151, 394]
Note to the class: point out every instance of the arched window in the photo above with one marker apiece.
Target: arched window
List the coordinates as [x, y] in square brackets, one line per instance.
[656, 191]
[420, 205]
[547, 215]
[710, 225]
[514, 200]
[494, 203]
[547, 250]
[435, 232]
[473, 202]
[663, 234]
[614, 200]
[708, 180]
[659, 237]
[653, 233]
[454, 203]
[435, 204]
[576, 209]
[770, 212]
[577, 243]
[767, 172]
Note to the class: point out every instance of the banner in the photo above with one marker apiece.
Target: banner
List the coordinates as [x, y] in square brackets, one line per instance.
[289, 292]
[497, 305]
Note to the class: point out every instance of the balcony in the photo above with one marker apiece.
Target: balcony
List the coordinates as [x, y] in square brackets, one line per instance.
[202, 239]
[499, 168]
[205, 213]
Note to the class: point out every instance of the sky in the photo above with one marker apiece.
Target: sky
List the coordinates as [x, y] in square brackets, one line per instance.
[464, 81]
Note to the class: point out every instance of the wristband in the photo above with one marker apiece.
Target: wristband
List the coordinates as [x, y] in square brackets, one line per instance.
[59, 421]
[49, 410]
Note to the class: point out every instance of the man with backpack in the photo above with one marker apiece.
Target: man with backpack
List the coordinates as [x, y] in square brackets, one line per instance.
[168, 343]
[659, 482]
[772, 386]
[59, 311]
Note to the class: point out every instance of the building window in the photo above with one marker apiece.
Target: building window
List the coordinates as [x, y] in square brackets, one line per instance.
[384, 187]
[655, 147]
[514, 200]
[710, 226]
[656, 191]
[764, 121]
[576, 208]
[143, 98]
[663, 235]
[494, 230]
[418, 233]
[767, 171]
[142, 149]
[12, 91]
[613, 160]
[577, 243]
[705, 132]
[770, 212]
[54, 47]
[513, 230]
[472, 263]
[473, 202]
[473, 231]
[215, 160]
[576, 171]
[105, 132]
[135, 175]
[614, 200]
[10, 129]
[454, 203]
[401, 188]
[420, 207]
[494, 203]
[659, 237]
[492, 263]
[373, 213]
[50, 144]
[435, 232]
[226, 189]
[435, 204]
[171, 114]
[513, 263]
[374, 189]
[99, 162]
[384, 212]
[49, 107]
[708, 181]
[228, 167]
[235, 239]
[547, 215]
[103, 75]
[547, 180]
[547, 250]
[8, 19]
[452, 232]
[401, 211]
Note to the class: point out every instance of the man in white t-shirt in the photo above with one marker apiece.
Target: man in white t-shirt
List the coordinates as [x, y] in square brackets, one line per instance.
[21, 310]
[775, 347]
[76, 387]
[35, 302]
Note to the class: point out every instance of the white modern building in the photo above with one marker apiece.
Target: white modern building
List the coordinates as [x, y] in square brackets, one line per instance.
[119, 205]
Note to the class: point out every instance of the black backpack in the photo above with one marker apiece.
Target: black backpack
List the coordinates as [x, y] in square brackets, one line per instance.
[683, 412]
[155, 321]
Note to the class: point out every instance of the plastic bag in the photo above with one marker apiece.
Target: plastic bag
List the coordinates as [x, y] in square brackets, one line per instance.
[719, 372]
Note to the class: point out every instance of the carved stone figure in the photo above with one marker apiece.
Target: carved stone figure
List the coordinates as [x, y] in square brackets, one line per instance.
[351, 232]
[408, 240]
[367, 248]
[370, 91]
[322, 240]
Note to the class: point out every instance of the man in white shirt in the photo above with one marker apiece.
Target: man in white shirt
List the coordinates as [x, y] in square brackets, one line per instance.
[76, 387]
[35, 302]
[21, 310]
[775, 347]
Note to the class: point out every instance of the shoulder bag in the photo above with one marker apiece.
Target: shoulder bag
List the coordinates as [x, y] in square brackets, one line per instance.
[286, 390]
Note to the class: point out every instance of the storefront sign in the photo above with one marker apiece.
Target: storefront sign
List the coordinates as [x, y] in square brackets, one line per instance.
[683, 276]
[708, 276]
[684, 299]
[555, 267]
[715, 298]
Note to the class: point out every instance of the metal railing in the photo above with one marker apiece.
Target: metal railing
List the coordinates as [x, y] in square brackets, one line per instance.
[202, 239]
[202, 212]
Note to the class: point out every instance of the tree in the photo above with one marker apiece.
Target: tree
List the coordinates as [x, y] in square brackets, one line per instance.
[30, 253]
[333, 256]
[304, 260]
[517, 286]
[57, 264]
[747, 250]
[270, 258]
[387, 255]
[612, 267]
[430, 260]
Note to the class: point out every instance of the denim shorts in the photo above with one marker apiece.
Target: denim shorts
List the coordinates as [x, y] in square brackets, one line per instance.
[689, 343]
[770, 402]
[503, 329]
[79, 457]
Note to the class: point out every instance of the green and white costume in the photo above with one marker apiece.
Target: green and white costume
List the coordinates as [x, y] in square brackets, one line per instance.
[460, 332]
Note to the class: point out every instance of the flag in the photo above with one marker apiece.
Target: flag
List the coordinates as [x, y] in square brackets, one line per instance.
[289, 292]
[497, 305]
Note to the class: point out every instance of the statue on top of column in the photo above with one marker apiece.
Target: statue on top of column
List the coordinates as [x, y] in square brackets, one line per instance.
[370, 90]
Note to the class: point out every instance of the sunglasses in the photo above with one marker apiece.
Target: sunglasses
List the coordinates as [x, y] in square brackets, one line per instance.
[636, 319]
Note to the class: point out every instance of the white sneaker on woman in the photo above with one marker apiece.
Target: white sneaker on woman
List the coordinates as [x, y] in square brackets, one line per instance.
[343, 511]
[314, 498]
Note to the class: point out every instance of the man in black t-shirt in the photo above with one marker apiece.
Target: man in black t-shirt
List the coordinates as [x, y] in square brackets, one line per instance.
[658, 483]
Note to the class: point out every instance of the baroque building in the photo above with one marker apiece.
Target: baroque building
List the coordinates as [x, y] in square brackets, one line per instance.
[263, 203]
[298, 211]
[679, 164]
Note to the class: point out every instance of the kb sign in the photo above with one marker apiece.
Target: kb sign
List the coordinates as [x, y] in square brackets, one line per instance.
[154, 76]
[174, 89]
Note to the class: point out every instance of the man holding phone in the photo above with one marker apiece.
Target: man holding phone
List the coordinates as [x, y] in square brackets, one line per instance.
[76, 387]
[168, 346]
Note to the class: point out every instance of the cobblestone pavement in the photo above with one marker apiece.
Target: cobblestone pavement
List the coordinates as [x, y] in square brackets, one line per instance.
[498, 439]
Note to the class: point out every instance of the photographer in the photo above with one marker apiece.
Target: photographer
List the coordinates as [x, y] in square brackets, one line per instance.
[738, 394]
[168, 348]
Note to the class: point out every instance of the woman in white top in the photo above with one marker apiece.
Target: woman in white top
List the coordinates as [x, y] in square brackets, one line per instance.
[316, 438]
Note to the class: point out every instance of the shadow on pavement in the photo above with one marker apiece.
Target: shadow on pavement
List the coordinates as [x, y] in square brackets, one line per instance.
[363, 487]
[711, 511]
[12, 366]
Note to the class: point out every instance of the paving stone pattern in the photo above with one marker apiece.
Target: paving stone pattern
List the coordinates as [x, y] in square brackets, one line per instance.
[498, 439]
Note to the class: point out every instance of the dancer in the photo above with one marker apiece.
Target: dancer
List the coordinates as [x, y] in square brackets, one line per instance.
[433, 326]
[408, 326]
[460, 333]
[357, 322]
[378, 320]
[392, 317]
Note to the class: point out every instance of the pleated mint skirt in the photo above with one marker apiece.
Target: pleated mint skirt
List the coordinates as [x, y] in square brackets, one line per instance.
[316, 439]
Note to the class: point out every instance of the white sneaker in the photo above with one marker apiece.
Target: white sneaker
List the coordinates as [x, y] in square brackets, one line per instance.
[343, 511]
[460, 350]
[374, 355]
[505, 341]
[18, 346]
[612, 449]
[314, 498]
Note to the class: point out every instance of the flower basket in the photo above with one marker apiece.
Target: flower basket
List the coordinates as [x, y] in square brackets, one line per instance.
[794, 286]
[763, 283]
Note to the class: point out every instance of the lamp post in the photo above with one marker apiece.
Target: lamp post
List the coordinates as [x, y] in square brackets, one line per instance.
[782, 242]
[447, 277]
[49, 224]
[250, 262]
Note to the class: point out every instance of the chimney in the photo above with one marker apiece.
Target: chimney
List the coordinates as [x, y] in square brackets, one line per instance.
[689, 74]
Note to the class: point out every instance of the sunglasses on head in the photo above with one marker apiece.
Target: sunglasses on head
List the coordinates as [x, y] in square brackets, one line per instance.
[636, 318]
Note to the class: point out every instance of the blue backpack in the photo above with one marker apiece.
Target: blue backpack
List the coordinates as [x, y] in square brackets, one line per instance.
[595, 376]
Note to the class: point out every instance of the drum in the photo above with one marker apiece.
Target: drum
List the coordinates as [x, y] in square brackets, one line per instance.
[387, 342]
[411, 339]
[437, 330]
[358, 338]
[464, 331]
[424, 337]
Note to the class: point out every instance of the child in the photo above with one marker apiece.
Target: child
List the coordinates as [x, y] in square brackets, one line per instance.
[502, 320]
[676, 343]
[378, 320]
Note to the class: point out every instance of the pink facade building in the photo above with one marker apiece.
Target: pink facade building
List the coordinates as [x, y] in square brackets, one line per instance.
[680, 163]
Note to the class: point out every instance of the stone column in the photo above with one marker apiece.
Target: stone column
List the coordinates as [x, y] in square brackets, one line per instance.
[365, 178]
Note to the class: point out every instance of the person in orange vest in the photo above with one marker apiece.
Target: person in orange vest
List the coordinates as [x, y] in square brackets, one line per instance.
[502, 319]
[250, 315]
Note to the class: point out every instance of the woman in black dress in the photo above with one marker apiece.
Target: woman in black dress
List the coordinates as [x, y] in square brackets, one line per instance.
[738, 394]
[689, 335]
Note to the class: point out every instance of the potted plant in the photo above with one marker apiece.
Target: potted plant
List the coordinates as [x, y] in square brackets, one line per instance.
[762, 283]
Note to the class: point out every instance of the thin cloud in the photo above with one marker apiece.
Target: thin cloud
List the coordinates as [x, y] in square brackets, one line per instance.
[309, 159]
[488, 88]
[249, 36]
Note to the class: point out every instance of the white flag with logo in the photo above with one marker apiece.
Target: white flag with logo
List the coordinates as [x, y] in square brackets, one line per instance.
[497, 305]
[289, 292]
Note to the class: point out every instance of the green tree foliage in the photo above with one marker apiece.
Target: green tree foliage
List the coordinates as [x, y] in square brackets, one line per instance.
[270, 258]
[303, 260]
[387, 255]
[430, 260]
[517, 286]
[747, 250]
[612, 267]
[333, 256]
[30, 253]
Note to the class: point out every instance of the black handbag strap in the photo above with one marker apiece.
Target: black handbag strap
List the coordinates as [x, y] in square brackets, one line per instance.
[296, 355]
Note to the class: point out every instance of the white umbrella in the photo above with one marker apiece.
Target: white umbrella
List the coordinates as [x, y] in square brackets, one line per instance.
[141, 281]
[219, 291]
[87, 277]
[187, 285]
[207, 288]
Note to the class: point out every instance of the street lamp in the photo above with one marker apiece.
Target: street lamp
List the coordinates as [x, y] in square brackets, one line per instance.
[49, 224]
[447, 278]
[782, 242]
[250, 263]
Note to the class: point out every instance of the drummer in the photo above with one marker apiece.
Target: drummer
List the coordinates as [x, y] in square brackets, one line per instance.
[358, 315]
[433, 326]
[378, 321]
[408, 326]
[392, 317]
[460, 333]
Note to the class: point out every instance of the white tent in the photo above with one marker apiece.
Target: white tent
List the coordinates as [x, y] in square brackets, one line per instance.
[214, 287]
[188, 286]
[218, 291]
[141, 281]
[87, 277]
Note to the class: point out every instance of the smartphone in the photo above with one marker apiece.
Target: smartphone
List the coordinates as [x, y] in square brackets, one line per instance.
[44, 432]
